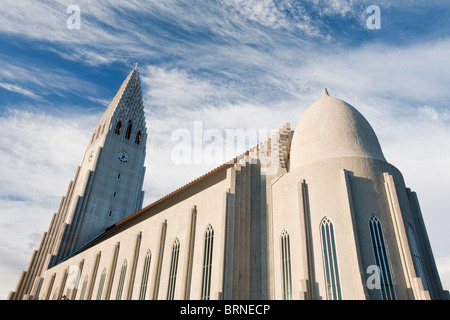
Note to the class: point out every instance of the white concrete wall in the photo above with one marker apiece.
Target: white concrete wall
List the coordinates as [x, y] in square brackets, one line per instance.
[209, 201]
[348, 206]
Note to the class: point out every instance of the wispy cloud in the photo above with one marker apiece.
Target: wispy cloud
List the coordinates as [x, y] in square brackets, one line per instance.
[418, 72]
[40, 152]
[41, 147]
[45, 82]
[14, 88]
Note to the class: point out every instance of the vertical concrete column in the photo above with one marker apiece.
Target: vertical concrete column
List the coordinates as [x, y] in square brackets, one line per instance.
[434, 282]
[235, 242]
[134, 265]
[402, 240]
[79, 271]
[93, 275]
[190, 254]
[307, 263]
[227, 286]
[353, 239]
[50, 287]
[112, 271]
[157, 275]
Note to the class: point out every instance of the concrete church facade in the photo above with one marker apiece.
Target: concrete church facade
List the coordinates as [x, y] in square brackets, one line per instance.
[311, 213]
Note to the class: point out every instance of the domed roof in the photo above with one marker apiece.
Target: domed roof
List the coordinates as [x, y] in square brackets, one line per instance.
[331, 128]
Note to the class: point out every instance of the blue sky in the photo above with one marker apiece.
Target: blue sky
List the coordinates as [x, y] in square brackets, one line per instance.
[249, 64]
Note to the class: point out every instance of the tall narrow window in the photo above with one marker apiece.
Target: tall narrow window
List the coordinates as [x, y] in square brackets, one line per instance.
[330, 263]
[381, 259]
[207, 263]
[118, 127]
[286, 265]
[123, 272]
[138, 138]
[416, 257]
[145, 273]
[173, 269]
[128, 133]
[101, 284]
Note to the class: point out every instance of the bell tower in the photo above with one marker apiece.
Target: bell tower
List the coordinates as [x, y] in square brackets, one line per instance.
[107, 186]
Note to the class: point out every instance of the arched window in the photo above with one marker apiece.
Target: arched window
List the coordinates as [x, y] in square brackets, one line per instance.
[207, 263]
[416, 257]
[173, 269]
[286, 265]
[123, 272]
[101, 284]
[128, 133]
[381, 259]
[118, 128]
[145, 274]
[330, 263]
[83, 288]
[138, 138]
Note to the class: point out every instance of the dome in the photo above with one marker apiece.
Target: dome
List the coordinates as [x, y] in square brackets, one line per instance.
[331, 128]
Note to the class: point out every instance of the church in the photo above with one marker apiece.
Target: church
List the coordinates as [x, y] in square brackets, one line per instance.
[314, 213]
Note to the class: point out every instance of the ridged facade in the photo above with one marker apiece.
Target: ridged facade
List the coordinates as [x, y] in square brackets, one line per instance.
[311, 214]
[104, 190]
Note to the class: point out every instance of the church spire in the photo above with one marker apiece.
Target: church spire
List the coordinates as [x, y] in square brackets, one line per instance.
[131, 83]
[107, 186]
[126, 103]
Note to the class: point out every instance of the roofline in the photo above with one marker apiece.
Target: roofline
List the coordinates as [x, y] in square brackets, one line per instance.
[137, 214]
[173, 193]
[133, 216]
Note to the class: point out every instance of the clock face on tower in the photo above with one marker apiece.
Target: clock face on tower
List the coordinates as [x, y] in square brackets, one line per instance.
[123, 156]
